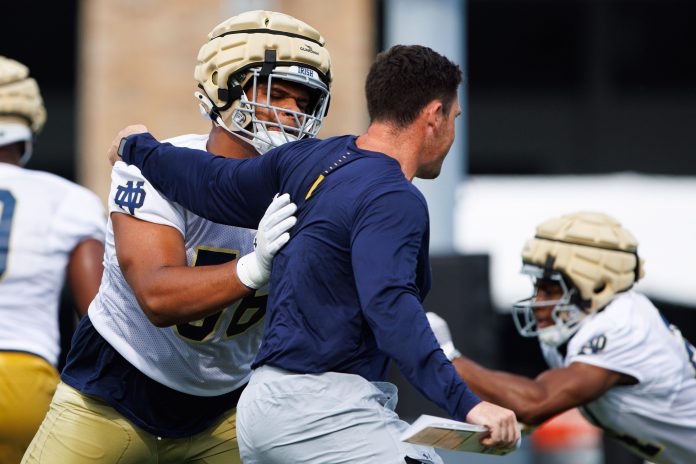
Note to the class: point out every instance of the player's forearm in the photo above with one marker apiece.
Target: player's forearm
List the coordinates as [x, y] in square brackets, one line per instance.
[209, 186]
[403, 333]
[432, 374]
[179, 294]
[526, 397]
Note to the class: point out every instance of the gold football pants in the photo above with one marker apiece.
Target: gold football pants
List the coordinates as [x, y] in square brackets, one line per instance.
[82, 429]
[27, 383]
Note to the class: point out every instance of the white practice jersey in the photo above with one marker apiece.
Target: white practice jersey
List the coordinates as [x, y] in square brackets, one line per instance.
[656, 418]
[43, 217]
[204, 358]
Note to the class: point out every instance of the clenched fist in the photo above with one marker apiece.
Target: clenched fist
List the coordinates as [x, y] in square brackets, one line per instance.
[501, 422]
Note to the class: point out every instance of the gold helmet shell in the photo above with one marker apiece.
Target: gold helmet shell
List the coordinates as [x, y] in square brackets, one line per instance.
[597, 255]
[22, 111]
[255, 45]
[19, 95]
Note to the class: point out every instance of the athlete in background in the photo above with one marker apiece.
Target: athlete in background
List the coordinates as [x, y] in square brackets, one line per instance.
[50, 229]
[156, 369]
[347, 291]
[609, 350]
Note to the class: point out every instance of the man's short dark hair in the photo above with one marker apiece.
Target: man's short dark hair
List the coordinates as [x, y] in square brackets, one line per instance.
[404, 79]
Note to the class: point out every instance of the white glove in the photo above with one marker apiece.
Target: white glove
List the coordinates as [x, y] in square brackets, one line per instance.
[254, 269]
[443, 336]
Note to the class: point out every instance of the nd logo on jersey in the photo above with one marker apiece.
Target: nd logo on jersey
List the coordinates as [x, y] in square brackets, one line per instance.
[130, 197]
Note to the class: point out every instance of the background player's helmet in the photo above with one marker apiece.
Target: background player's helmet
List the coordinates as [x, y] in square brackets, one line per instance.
[255, 46]
[591, 256]
[22, 112]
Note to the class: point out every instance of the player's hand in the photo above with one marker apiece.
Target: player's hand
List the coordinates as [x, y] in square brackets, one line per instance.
[112, 154]
[443, 336]
[254, 269]
[501, 422]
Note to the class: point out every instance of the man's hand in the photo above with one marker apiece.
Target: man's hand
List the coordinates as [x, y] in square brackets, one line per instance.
[112, 154]
[501, 422]
[254, 269]
[443, 336]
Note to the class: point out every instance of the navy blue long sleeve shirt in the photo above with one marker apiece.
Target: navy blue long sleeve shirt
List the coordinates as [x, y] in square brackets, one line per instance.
[346, 292]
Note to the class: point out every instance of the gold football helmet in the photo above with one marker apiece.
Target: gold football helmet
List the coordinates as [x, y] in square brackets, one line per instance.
[262, 46]
[591, 256]
[22, 112]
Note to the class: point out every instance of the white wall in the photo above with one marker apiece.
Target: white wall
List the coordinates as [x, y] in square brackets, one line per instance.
[438, 24]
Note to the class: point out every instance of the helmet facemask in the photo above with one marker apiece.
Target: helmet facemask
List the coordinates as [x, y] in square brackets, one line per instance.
[265, 135]
[566, 314]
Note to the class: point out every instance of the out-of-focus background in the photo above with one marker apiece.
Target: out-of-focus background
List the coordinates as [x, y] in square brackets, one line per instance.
[569, 105]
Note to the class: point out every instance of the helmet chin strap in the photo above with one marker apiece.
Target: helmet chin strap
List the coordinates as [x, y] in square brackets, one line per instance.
[264, 141]
[557, 334]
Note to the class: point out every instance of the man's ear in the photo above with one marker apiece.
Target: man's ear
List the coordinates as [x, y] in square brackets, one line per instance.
[433, 112]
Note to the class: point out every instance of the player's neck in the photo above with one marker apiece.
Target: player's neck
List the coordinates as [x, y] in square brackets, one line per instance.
[401, 144]
[223, 143]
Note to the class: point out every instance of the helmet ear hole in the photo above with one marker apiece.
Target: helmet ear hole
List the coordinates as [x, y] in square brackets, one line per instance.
[214, 78]
[600, 287]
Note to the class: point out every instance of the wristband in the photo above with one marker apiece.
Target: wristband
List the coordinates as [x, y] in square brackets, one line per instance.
[450, 351]
[121, 146]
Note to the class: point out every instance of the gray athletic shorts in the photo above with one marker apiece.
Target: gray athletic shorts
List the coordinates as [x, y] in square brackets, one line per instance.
[333, 418]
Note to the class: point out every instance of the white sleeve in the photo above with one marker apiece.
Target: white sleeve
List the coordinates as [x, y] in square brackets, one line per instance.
[612, 341]
[132, 194]
[80, 217]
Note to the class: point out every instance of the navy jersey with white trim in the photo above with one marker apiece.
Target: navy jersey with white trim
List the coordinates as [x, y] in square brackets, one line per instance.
[346, 292]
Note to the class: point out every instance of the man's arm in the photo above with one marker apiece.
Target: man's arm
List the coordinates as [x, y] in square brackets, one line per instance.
[223, 190]
[385, 247]
[536, 400]
[152, 258]
[85, 272]
[532, 400]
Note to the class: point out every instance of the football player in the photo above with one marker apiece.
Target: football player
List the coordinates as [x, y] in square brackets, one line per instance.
[158, 365]
[610, 351]
[49, 229]
[348, 289]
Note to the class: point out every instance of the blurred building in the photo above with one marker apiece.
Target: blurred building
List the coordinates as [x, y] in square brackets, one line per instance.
[137, 60]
